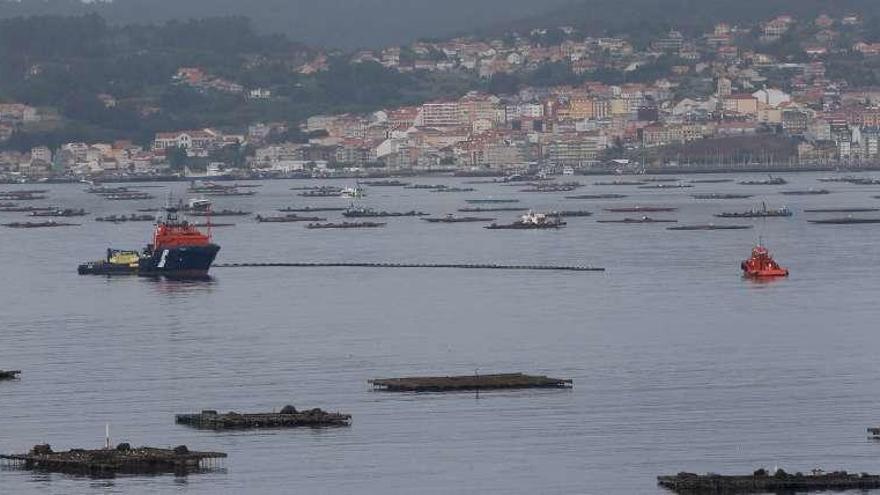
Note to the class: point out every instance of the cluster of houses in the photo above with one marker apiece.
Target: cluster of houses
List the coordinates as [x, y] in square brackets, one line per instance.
[15, 115]
[716, 88]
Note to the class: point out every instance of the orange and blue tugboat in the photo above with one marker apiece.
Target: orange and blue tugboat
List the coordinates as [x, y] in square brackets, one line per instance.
[178, 250]
[762, 265]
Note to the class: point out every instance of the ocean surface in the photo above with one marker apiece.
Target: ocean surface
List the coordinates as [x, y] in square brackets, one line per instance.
[679, 364]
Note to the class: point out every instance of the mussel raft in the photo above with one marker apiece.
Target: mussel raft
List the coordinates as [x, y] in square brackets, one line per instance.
[763, 482]
[108, 462]
[289, 417]
[467, 382]
[9, 375]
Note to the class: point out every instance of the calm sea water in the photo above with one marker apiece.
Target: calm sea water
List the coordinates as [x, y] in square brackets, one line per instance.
[678, 363]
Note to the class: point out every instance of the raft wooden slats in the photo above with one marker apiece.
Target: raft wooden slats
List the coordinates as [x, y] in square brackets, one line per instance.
[467, 382]
[9, 375]
[781, 482]
[107, 462]
[234, 421]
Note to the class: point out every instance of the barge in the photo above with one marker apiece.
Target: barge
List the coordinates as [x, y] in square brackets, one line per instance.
[761, 481]
[108, 462]
[289, 417]
[468, 382]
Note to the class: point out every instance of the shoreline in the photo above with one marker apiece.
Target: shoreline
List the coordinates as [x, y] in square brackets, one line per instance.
[666, 170]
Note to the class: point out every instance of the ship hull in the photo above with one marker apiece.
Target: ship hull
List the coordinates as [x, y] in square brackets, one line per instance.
[179, 262]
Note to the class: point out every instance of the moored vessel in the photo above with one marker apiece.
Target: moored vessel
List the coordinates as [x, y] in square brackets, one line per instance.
[762, 265]
[762, 212]
[531, 221]
[178, 250]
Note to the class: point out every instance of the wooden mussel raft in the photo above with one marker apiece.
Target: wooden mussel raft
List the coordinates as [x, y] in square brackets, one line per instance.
[289, 417]
[467, 382]
[762, 481]
[288, 218]
[108, 462]
[9, 375]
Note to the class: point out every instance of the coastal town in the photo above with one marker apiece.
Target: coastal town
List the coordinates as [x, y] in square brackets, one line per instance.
[771, 95]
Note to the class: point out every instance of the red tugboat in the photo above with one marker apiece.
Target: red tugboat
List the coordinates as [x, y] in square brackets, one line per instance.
[178, 250]
[762, 265]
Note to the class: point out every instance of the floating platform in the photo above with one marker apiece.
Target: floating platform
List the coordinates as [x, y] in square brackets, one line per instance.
[370, 213]
[454, 219]
[109, 462]
[572, 213]
[721, 196]
[218, 213]
[807, 192]
[453, 189]
[346, 225]
[845, 221]
[126, 218]
[60, 213]
[621, 183]
[597, 196]
[710, 226]
[490, 201]
[385, 183]
[710, 181]
[289, 417]
[641, 209]
[38, 225]
[842, 210]
[9, 375]
[763, 482]
[289, 218]
[467, 382]
[666, 186]
[310, 209]
[640, 220]
[478, 209]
